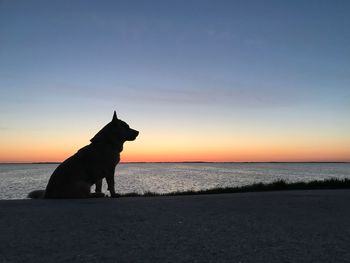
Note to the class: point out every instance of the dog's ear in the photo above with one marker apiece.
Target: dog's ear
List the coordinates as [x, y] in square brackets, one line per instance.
[115, 116]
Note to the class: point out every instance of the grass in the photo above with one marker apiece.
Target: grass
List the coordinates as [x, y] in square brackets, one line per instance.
[258, 187]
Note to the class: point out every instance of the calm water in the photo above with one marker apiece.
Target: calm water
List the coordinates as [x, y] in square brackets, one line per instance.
[17, 180]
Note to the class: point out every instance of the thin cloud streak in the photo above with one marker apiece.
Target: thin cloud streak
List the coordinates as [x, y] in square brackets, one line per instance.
[235, 98]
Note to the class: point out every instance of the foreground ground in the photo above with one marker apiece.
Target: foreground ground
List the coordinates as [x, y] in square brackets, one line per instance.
[289, 226]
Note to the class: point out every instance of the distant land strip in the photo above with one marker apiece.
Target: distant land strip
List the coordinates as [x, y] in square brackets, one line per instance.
[292, 162]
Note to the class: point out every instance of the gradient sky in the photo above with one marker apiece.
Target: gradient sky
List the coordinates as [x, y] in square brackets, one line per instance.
[201, 80]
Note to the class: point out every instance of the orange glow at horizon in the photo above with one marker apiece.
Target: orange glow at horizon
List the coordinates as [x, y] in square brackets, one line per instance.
[147, 149]
[273, 156]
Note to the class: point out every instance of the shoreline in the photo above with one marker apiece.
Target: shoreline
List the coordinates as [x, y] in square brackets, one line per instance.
[284, 226]
[279, 185]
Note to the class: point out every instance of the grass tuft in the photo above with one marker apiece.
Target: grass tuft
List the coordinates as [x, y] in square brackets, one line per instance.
[278, 185]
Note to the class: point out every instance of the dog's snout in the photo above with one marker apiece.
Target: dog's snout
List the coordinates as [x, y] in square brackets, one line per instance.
[132, 134]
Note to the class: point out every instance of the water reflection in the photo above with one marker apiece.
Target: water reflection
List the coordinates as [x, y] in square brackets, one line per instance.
[17, 180]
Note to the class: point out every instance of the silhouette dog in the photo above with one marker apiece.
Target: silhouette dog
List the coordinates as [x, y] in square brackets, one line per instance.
[74, 177]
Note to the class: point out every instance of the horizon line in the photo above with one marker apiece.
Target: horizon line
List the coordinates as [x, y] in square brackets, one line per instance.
[192, 162]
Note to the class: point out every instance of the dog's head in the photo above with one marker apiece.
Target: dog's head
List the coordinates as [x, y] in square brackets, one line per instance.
[117, 131]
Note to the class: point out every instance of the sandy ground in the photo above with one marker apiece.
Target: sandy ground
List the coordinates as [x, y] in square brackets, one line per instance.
[291, 226]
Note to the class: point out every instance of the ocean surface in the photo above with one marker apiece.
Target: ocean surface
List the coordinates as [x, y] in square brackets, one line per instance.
[17, 180]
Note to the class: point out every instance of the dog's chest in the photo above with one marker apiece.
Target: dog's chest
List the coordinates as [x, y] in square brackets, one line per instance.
[117, 159]
[110, 160]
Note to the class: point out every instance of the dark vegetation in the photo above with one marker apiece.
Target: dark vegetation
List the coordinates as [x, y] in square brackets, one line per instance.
[259, 187]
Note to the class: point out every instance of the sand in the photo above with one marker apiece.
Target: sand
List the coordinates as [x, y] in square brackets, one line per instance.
[290, 226]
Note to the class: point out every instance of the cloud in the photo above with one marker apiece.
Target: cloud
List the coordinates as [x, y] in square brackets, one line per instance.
[221, 94]
[237, 98]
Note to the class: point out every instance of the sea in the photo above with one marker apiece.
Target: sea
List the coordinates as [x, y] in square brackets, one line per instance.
[17, 180]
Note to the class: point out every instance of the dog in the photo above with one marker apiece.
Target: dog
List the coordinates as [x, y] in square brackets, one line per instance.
[74, 177]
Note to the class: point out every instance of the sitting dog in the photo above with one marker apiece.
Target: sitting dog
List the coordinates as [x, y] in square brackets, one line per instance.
[74, 177]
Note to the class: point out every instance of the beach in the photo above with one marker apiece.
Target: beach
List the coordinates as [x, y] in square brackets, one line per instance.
[284, 226]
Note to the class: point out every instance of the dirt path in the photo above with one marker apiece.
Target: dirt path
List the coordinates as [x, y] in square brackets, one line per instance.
[291, 226]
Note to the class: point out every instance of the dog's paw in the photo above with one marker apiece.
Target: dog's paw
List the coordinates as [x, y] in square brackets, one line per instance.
[97, 195]
[115, 195]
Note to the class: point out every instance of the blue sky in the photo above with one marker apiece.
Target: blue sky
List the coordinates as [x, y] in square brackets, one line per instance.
[267, 67]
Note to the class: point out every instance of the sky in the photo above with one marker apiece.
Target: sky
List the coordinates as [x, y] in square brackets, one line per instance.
[201, 80]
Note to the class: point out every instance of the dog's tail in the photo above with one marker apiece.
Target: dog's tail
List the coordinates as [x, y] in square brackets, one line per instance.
[37, 194]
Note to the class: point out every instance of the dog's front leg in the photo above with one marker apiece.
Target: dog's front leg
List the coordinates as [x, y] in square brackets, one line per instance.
[98, 188]
[110, 183]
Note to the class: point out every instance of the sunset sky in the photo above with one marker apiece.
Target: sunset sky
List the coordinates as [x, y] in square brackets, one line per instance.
[201, 80]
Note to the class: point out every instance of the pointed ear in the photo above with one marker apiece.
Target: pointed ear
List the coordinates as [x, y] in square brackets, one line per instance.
[115, 116]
